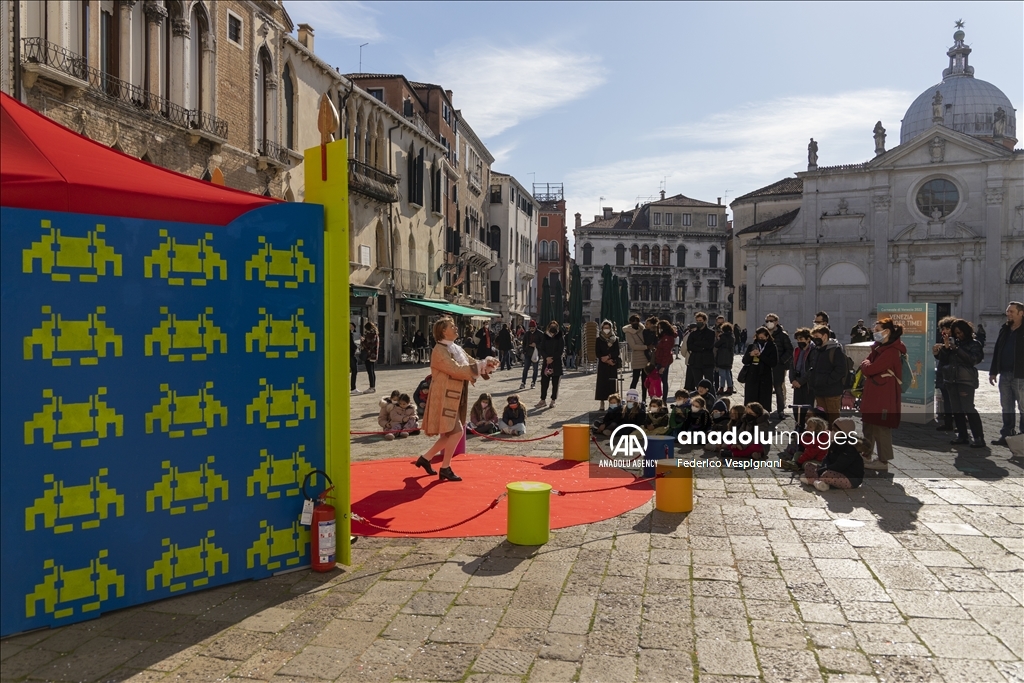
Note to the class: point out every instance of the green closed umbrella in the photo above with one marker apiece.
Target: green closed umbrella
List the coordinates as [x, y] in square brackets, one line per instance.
[545, 304]
[575, 310]
[624, 302]
[616, 304]
[557, 301]
[607, 295]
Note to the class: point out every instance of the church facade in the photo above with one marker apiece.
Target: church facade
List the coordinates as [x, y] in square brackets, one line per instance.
[936, 219]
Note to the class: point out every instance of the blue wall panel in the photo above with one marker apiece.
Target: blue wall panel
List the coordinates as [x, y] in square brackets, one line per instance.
[162, 396]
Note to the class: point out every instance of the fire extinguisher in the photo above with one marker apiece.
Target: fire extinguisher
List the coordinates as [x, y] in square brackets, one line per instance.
[320, 517]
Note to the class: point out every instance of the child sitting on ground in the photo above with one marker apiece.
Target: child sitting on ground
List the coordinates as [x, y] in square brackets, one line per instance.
[818, 449]
[657, 418]
[754, 415]
[611, 419]
[404, 419]
[699, 419]
[733, 420]
[513, 420]
[719, 415]
[634, 412]
[679, 412]
[386, 405]
[652, 383]
[420, 395]
[843, 466]
[483, 419]
[705, 389]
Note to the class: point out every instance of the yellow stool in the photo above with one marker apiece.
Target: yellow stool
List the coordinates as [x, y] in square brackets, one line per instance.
[673, 489]
[576, 442]
[529, 510]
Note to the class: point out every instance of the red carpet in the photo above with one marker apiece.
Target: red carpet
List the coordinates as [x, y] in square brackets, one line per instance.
[396, 495]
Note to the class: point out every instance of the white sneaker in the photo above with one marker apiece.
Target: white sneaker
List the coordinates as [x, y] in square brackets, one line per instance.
[821, 486]
[879, 465]
[355, 392]
[805, 480]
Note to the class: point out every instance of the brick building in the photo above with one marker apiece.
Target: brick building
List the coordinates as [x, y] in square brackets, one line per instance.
[553, 242]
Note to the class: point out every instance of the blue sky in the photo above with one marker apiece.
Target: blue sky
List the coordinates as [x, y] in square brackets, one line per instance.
[704, 99]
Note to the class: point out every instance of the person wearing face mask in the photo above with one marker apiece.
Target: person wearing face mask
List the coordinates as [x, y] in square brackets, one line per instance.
[725, 347]
[701, 345]
[945, 416]
[551, 348]
[608, 363]
[828, 372]
[785, 348]
[758, 362]
[799, 376]
[611, 419]
[663, 357]
[638, 359]
[483, 419]
[634, 412]
[881, 401]
[961, 353]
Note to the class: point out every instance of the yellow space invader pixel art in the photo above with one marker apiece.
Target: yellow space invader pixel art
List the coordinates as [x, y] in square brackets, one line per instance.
[270, 263]
[56, 251]
[64, 590]
[274, 473]
[289, 335]
[58, 418]
[199, 561]
[198, 259]
[278, 543]
[177, 486]
[292, 402]
[59, 336]
[175, 410]
[62, 502]
[175, 334]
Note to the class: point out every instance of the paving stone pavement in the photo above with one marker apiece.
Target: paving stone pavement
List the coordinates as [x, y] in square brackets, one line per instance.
[918, 575]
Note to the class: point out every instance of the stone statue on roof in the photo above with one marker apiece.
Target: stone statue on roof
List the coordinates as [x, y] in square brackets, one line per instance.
[812, 154]
[999, 123]
[879, 139]
[937, 107]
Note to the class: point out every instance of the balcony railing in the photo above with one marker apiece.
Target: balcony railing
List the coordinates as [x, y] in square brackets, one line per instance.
[410, 282]
[471, 246]
[273, 151]
[473, 180]
[372, 182]
[39, 51]
[526, 271]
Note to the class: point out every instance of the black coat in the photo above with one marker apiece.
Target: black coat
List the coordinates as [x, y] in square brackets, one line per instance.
[960, 363]
[758, 385]
[845, 460]
[1018, 351]
[607, 375]
[828, 369]
[553, 348]
[725, 349]
[504, 341]
[701, 345]
[784, 345]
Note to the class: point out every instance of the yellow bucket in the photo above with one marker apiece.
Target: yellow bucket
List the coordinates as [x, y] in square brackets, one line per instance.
[576, 442]
[529, 512]
[673, 489]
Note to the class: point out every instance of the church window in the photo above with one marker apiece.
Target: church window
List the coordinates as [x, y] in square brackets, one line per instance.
[1017, 274]
[937, 198]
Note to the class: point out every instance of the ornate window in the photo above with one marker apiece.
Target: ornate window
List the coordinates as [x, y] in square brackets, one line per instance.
[634, 290]
[937, 198]
[553, 250]
[645, 291]
[586, 289]
[681, 255]
[645, 255]
[588, 254]
[1017, 274]
[713, 257]
[543, 250]
[494, 239]
[665, 290]
[656, 256]
[681, 290]
[634, 255]
[620, 255]
[289, 107]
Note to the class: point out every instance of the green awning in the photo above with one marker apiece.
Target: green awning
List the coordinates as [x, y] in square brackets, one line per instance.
[454, 309]
[363, 292]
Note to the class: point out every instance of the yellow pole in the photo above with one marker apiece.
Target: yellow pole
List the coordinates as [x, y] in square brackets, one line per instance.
[332, 193]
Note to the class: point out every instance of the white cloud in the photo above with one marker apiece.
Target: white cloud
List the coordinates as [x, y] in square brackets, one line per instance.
[498, 87]
[742, 150]
[347, 20]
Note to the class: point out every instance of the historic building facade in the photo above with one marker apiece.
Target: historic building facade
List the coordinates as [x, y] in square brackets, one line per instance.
[513, 236]
[937, 218]
[191, 85]
[671, 251]
[553, 243]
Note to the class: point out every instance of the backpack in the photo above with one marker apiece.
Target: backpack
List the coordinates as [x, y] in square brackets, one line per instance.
[850, 379]
[908, 374]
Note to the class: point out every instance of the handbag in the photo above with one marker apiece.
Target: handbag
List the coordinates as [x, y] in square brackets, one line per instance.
[744, 374]
[535, 358]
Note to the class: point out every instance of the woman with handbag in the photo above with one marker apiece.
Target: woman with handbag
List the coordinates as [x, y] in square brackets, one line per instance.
[609, 362]
[881, 401]
[369, 347]
[451, 372]
[961, 354]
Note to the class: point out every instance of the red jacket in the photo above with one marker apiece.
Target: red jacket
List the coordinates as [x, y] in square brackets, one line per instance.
[880, 402]
[812, 452]
[663, 351]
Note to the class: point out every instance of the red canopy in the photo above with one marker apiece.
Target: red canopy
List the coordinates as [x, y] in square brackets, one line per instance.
[43, 165]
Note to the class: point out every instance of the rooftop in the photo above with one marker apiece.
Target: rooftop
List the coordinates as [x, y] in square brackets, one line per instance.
[770, 224]
[785, 186]
[681, 200]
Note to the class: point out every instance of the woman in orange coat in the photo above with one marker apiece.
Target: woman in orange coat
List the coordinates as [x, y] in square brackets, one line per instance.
[451, 372]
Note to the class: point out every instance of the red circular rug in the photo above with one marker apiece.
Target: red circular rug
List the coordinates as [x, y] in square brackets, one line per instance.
[396, 495]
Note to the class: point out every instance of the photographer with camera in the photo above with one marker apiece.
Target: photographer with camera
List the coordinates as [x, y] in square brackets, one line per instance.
[960, 354]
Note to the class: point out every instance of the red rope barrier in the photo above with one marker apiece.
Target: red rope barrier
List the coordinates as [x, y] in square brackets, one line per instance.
[610, 488]
[390, 431]
[363, 520]
[495, 438]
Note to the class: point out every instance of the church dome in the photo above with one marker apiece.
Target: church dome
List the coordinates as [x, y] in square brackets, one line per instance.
[967, 104]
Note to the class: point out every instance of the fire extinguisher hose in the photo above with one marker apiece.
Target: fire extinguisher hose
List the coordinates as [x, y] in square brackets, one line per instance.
[323, 495]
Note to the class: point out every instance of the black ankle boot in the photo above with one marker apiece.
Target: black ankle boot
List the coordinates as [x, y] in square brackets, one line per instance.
[425, 464]
[447, 474]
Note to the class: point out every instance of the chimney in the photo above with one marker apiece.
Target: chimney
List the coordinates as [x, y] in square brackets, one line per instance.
[607, 211]
[719, 201]
[663, 195]
[579, 220]
[306, 36]
[450, 98]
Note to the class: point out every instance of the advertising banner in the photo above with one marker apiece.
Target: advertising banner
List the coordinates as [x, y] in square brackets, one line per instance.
[919, 324]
